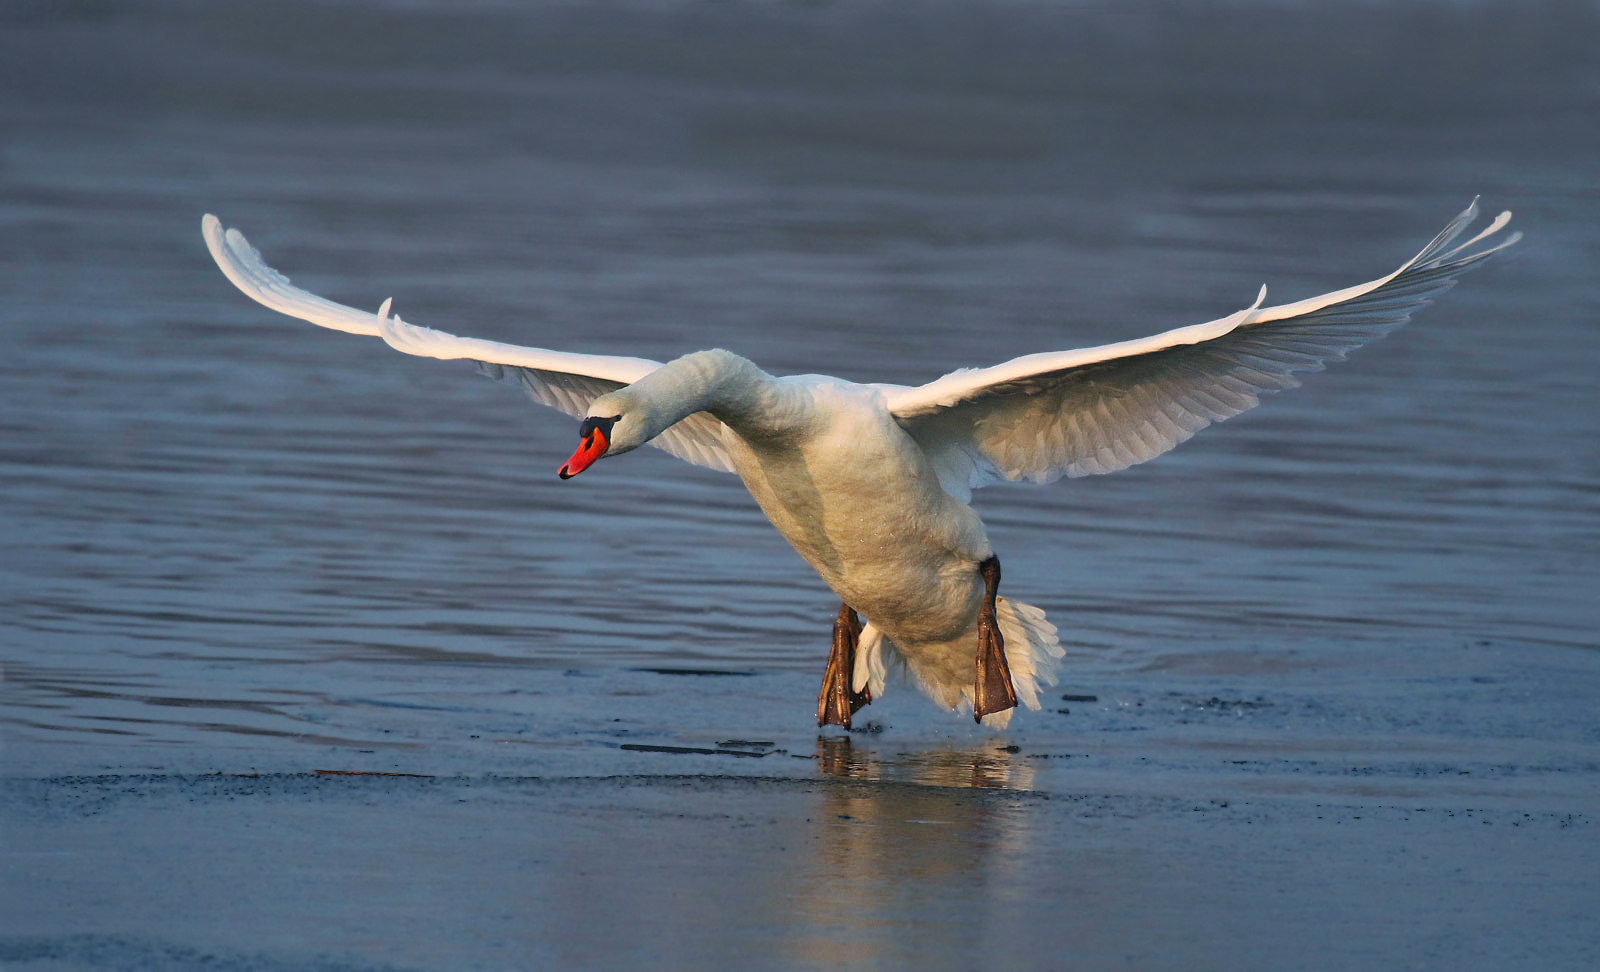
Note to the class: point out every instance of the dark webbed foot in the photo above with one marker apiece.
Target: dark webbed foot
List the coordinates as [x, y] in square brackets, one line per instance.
[993, 691]
[836, 702]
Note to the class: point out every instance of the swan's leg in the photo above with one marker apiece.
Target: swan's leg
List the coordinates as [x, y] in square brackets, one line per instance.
[993, 691]
[837, 702]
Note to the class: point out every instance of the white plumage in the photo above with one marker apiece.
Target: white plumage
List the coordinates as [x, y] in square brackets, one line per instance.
[870, 483]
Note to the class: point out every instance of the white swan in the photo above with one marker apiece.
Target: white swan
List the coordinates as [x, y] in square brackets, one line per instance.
[870, 483]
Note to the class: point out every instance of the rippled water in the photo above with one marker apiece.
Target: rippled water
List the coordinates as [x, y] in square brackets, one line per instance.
[218, 519]
[1331, 680]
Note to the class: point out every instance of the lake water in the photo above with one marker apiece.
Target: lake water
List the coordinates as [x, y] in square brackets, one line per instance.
[232, 542]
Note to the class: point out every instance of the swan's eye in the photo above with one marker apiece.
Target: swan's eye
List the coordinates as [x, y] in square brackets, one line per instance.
[603, 424]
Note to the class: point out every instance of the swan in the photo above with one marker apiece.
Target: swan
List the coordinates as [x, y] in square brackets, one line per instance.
[871, 483]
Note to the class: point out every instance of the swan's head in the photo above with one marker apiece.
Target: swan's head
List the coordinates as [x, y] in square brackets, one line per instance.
[616, 423]
[627, 418]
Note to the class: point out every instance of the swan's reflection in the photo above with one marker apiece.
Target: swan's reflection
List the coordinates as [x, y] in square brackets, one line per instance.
[982, 766]
[907, 843]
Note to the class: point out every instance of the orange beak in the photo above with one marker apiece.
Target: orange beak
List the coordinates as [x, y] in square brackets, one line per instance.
[593, 447]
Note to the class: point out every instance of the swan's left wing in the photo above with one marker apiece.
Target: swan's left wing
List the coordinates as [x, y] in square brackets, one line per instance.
[560, 379]
[1097, 410]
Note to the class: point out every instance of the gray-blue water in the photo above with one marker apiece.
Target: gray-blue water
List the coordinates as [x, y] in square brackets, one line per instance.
[232, 542]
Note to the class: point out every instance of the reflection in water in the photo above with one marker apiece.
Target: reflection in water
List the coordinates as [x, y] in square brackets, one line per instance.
[981, 766]
[932, 831]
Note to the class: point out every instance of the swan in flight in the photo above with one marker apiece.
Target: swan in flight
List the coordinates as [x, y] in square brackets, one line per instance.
[871, 482]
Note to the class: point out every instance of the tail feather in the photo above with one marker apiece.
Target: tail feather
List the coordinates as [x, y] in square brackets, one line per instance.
[1033, 653]
[875, 660]
[1032, 649]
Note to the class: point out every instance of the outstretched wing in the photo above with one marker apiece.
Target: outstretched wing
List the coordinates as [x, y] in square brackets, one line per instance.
[1097, 410]
[562, 380]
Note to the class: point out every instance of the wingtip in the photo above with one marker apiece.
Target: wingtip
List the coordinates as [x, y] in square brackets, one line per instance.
[211, 231]
[1464, 218]
[383, 308]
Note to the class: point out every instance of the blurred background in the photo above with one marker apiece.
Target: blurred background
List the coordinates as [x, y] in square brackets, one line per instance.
[230, 541]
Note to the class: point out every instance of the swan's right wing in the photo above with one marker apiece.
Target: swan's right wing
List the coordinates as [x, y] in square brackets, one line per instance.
[1097, 410]
[560, 379]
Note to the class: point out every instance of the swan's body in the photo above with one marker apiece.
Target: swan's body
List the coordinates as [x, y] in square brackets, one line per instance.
[871, 483]
[857, 497]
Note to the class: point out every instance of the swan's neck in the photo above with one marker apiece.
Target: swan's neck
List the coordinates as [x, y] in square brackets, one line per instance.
[742, 396]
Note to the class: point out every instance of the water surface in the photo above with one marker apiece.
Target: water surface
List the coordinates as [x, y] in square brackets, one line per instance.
[235, 543]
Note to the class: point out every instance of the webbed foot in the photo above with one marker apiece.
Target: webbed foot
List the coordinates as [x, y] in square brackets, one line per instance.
[837, 701]
[992, 691]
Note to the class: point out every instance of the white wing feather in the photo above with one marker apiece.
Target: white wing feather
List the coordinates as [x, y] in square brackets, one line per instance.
[1097, 410]
[562, 380]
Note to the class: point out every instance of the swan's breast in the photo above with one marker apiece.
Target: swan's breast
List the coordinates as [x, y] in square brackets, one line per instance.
[858, 499]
